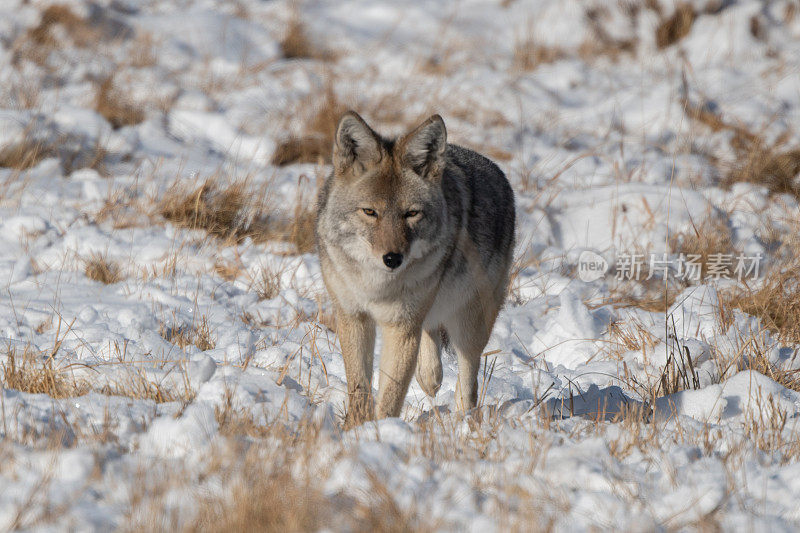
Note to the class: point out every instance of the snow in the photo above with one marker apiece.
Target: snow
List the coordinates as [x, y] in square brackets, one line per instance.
[604, 161]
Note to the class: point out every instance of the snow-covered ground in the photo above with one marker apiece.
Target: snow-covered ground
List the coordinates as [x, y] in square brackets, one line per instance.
[205, 378]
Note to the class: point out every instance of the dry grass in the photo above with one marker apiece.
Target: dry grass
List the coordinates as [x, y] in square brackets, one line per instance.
[36, 373]
[529, 54]
[115, 106]
[267, 283]
[299, 230]
[705, 244]
[235, 212]
[41, 40]
[757, 161]
[198, 335]
[601, 43]
[262, 498]
[220, 211]
[297, 44]
[770, 166]
[776, 301]
[315, 144]
[100, 268]
[674, 28]
[73, 154]
[652, 296]
[24, 155]
[302, 150]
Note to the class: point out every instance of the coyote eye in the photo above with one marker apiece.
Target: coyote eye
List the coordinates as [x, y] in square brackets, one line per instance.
[411, 214]
[369, 212]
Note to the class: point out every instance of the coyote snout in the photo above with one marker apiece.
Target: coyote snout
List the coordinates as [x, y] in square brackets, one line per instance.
[415, 236]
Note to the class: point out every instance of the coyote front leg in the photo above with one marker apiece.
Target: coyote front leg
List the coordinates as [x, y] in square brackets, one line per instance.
[357, 338]
[398, 360]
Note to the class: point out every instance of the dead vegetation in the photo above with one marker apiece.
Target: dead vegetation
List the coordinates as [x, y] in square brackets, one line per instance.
[758, 161]
[706, 246]
[675, 27]
[653, 296]
[775, 301]
[529, 54]
[57, 19]
[297, 43]
[115, 106]
[315, 143]
[24, 155]
[234, 212]
[74, 153]
[198, 335]
[36, 373]
[220, 211]
[100, 268]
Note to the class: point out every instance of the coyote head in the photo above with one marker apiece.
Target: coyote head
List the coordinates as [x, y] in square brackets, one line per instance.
[386, 203]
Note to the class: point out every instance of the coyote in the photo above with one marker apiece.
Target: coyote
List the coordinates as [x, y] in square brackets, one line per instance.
[417, 236]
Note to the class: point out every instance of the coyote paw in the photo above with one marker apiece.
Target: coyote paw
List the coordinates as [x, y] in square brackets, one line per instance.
[429, 376]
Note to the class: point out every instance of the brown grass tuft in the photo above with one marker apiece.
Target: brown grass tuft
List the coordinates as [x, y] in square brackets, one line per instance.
[528, 54]
[302, 150]
[235, 212]
[757, 160]
[296, 43]
[24, 155]
[655, 298]
[676, 27]
[35, 373]
[705, 244]
[776, 302]
[78, 28]
[262, 499]
[772, 167]
[315, 144]
[217, 210]
[101, 268]
[115, 106]
[40, 41]
[299, 230]
[198, 335]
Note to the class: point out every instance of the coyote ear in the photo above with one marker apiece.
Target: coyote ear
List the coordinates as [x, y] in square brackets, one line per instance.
[423, 149]
[355, 144]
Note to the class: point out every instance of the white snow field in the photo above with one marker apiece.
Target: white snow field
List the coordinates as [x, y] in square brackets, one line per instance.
[168, 357]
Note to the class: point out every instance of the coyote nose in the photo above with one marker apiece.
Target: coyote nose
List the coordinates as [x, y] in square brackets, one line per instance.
[392, 260]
